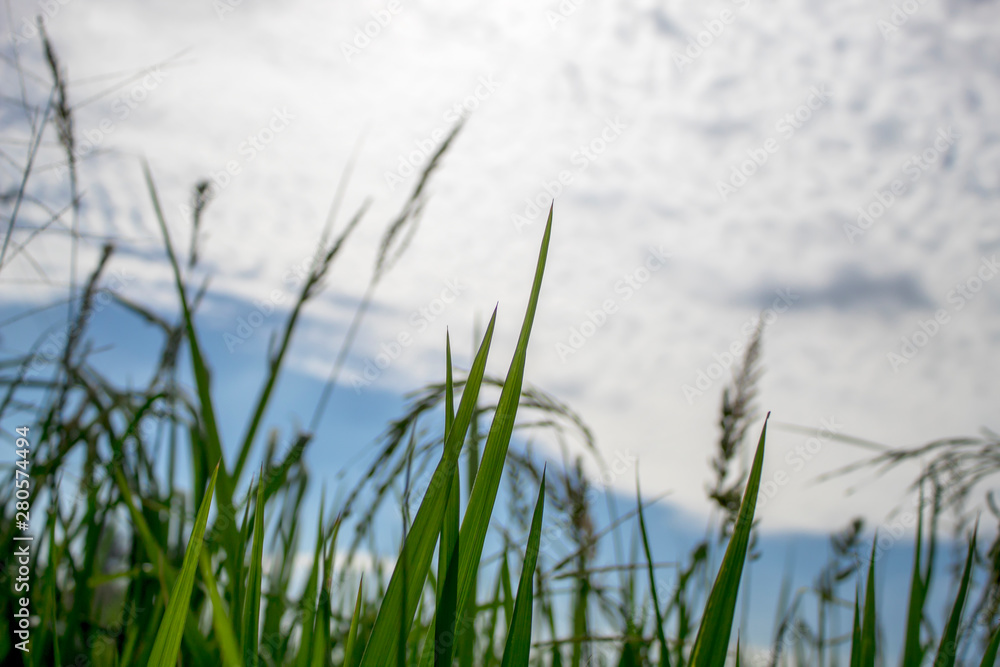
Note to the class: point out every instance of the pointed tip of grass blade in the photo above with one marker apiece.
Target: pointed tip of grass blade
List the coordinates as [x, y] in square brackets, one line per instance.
[402, 595]
[491, 465]
[856, 631]
[947, 649]
[712, 642]
[664, 650]
[869, 647]
[990, 657]
[352, 634]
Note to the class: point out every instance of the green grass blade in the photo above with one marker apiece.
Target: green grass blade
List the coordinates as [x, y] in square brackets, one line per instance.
[309, 596]
[449, 390]
[990, 657]
[711, 644]
[447, 594]
[418, 550]
[168, 638]
[228, 645]
[489, 655]
[484, 492]
[949, 639]
[868, 621]
[913, 653]
[251, 602]
[658, 617]
[445, 614]
[238, 569]
[200, 370]
[508, 590]
[352, 634]
[321, 631]
[856, 634]
[518, 645]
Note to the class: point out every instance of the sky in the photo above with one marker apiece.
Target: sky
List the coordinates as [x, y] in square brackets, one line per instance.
[832, 166]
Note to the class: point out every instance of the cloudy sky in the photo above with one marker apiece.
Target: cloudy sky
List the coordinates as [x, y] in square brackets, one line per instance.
[838, 163]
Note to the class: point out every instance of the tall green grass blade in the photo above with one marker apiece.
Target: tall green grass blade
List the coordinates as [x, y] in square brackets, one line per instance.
[711, 644]
[658, 617]
[251, 603]
[401, 597]
[868, 621]
[948, 647]
[484, 492]
[224, 632]
[200, 370]
[444, 623]
[449, 389]
[518, 645]
[913, 652]
[321, 632]
[309, 595]
[168, 638]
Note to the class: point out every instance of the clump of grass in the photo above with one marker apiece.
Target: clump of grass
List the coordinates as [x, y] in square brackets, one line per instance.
[139, 562]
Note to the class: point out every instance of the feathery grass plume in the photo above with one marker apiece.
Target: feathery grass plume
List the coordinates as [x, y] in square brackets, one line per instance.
[201, 195]
[737, 414]
[841, 564]
[396, 446]
[67, 139]
[390, 250]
